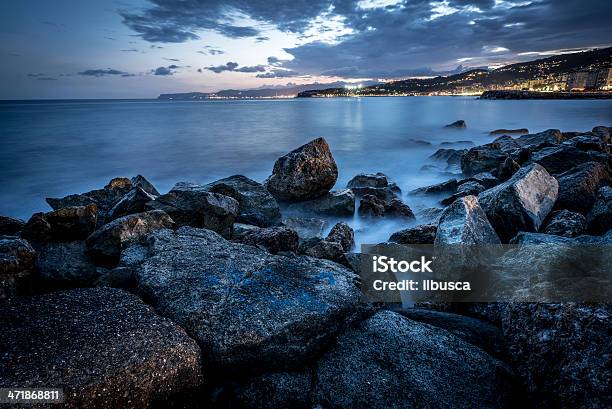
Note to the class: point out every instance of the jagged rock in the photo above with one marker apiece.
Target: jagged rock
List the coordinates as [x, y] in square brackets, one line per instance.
[194, 205]
[16, 264]
[465, 189]
[306, 227]
[449, 186]
[375, 207]
[65, 264]
[550, 137]
[450, 156]
[562, 158]
[565, 223]
[141, 182]
[430, 214]
[600, 216]
[507, 169]
[521, 203]
[560, 352]
[119, 183]
[519, 131]
[240, 230]
[134, 254]
[423, 234]
[336, 203]
[274, 390]
[476, 332]
[604, 133]
[324, 249]
[255, 204]
[354, 261]
[104, 245]
[578, 187]
[523, 156]
[454, 143]
[486, 179]
[10, 226]
[65, 224]
[506, 143]
[484, 158]
[457, 124]
[134, 201]
[389, 362]
[273, 239]
[588, 143]
[104, 347]
[464, 222]
[249, 310]
[343, 234]
[375, 184]
[305, 173]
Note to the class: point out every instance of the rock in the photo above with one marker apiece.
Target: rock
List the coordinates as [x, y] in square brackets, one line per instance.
[273, 239]
[562, 158]
[560, 352]
[103, 346]
[506, 143]
[343, 234]
[521, 203]
[604, 133]
[423, 234]
[578, 187]
[464, 222]
[526, 238]
[118, 277]
[324, 249]
[389, 361]
[104, 246]
[588, 143]
[65, 265]
[10, 226]
[375, 207]
[65, 224]
[134, 201]
[457, 124]
[600, 216]
[274, 390]
[354, 261]
[454, 143]
[484, 158]
[376, 184]
[249, 310]
[450, 186]
[337, 203]
[565, 223]
[507, 169]
[430, 214]
[305, 173]
[486, 179]
[523, 156]
[197, 207]
[550, 137]
[465, 189]
[141, 182]
[418, 142]
[119, 183]
[306, 227]
[476, 332]
[450, 156]
[520, 131]
[240, 230]
[16, 264]
[255, 204]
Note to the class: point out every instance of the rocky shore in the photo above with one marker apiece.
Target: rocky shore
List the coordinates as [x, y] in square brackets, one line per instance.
[234, 294]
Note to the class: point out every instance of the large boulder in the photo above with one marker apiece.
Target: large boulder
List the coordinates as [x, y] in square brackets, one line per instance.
[389, 361]
[565, 223]
[423, 234]
[305, 173]
[273, 390]
[561, 352]
[65, 264]
[372, 206]
[588, 143]
[375, 184]
[273, 239]
[10, 226]
[134, 201]
[449, 186]
[248, 310]
[562, 158]
[105, 245]
[599, 218]
[503, 131]
[448, 155]
[306, 227]
[141, 182]
[464, 222]
[604, 133]
[550, 137]
[16, 264]
[464, 189]
[104, 347]
[336, 203]
[521, 203]
[484, 158]
[460, 124]
[193, 205]
[578, 187]
[65, 224]
[343, 234]
[324, 249]
[255, 204]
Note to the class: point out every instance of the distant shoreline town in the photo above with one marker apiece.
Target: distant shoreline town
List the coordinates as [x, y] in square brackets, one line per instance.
[582, 75]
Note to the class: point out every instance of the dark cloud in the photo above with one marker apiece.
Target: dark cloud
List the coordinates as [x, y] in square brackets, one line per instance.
[230, 66]
[165, 71]
[172, 59]
[255, 68]
[211, 51]
[41, 77]
[103, 72]
[130, 50]
[261, 39]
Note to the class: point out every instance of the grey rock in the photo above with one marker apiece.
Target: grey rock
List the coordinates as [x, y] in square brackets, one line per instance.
[464, 222]
[118, 277]
[371, 206]
[521, 203]
[454, 143]
[484, 158]
[324, 249]
[343, 234]
[119, 183]
[603, 132]
[389, 361]
[195, 206]
[305, 173]
[519, 131]
[563, 158]
[550, 137]
[423, 234]
[457, 124]
[16, 264]
[465, 189]
[274, 390]
[134, 201]
[599, 218]
[430, 214]
[588, 143]
[65, 224]
[507, 169]
[336, 203]
[10, 226]
[450, 156]
[255, 204]
[449, 186]
[578, 187]
[141, 182]
[65, 264]
[306, 227]
[248, 310]
[375, 184]
[565, 223]
[506, 143]
[105, 245]
[240, 230]
[273, 239]
[104, 347]
[486, 179]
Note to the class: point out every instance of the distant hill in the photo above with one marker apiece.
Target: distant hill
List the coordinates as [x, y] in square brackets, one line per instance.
[550, 67]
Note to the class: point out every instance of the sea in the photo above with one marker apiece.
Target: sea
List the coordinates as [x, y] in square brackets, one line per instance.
[56, 148]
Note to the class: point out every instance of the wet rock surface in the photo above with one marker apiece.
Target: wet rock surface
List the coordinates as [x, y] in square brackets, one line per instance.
[371, 206]
[306, 227]
[484, 158]
[565, 223]
[599, 218]
[578, 187]
[423, 234]
[66, 264]
[374, 184]
[273, 239]
[336, 203]
[104, 347]
[464, 222]
[460, 124]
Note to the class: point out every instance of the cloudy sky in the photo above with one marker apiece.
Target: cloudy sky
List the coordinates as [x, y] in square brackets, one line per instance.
[140, 48]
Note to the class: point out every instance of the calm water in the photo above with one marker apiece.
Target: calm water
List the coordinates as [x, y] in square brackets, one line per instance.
[58, 148]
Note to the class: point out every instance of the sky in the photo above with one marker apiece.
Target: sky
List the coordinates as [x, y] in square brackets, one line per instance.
[141, 48]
